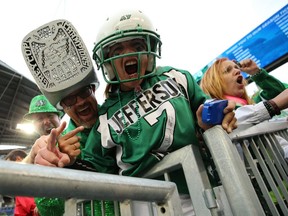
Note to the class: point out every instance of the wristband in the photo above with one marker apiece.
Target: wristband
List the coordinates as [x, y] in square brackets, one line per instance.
[275, 107]
[272, 108]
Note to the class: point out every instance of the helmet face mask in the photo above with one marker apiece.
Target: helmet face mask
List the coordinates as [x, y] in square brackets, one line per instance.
[132, 25]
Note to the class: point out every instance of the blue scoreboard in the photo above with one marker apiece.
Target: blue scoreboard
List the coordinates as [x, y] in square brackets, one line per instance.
[267, 44]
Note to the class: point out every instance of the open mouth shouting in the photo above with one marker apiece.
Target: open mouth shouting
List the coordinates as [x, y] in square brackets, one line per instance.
[84, 110]
[131, 68]
[239, 79]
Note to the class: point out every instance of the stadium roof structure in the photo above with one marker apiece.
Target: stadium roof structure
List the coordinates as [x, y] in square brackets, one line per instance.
[16, 92]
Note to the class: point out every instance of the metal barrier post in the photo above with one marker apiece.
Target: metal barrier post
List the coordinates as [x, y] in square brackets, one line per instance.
[237, 185]
[189, 159]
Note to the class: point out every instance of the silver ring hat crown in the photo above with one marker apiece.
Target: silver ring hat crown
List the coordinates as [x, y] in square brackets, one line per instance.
[58, 60]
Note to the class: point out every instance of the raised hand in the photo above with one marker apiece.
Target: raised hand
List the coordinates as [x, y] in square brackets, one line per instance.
[229, 121]
[69, 143]
[38, 144]
[50, 155]
[201, 124]
[249, 66]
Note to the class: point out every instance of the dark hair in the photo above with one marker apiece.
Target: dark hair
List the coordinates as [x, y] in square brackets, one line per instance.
[12, 155]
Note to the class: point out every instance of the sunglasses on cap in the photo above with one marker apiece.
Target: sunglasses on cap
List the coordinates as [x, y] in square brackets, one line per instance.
[72, 99]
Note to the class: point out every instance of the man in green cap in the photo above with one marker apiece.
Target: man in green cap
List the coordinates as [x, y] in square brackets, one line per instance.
[43, 114]
[45, 117]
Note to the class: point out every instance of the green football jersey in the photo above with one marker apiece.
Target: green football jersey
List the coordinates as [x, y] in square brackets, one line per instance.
[144, 125]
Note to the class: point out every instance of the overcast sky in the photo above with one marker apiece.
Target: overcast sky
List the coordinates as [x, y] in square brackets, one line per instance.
[193, 32]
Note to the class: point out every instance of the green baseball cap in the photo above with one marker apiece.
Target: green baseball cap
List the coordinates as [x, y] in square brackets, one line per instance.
[40, 104]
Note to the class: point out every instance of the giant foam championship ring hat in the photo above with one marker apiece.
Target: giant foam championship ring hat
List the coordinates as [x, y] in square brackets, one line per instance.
[40, 104]
[58, 60]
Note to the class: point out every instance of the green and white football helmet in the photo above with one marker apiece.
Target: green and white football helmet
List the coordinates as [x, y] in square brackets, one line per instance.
[125, 26]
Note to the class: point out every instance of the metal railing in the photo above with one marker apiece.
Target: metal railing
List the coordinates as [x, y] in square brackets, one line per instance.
[253, 181]
[238, 193]
[40, 181]
[265, 162]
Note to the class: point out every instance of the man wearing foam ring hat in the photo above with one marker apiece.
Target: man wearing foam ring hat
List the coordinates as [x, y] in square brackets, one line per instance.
[64, 73]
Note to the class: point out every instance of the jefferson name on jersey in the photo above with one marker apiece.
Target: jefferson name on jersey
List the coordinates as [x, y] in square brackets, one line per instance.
[146, 102]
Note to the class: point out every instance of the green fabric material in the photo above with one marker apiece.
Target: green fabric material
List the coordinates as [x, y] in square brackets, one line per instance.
[40, 104]
[161, 128]
[50, 206]
[98, 206]
[270, 86]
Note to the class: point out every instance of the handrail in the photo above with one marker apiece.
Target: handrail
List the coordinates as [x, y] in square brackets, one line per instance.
[42, 181]
[249, 130]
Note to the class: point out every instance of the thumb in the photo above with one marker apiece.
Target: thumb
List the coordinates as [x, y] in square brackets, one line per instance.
[64, 160]
[199, 112]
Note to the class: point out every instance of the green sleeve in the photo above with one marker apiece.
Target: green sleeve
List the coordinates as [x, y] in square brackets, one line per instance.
[50, 206]
[195, 93]
[270, 86]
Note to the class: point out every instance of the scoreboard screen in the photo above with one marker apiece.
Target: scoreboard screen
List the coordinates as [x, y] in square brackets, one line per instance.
[266, 44]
